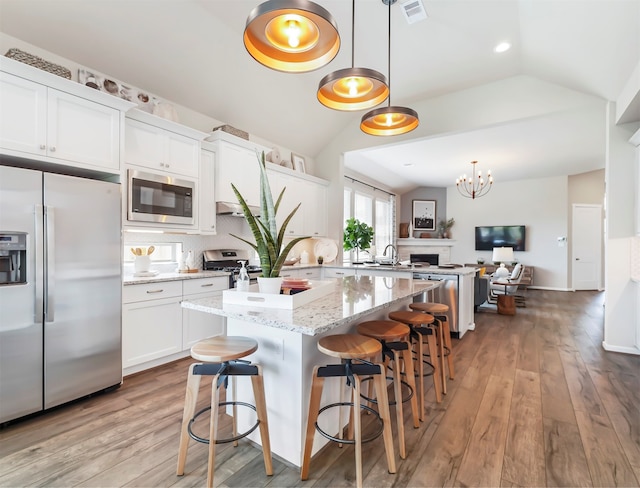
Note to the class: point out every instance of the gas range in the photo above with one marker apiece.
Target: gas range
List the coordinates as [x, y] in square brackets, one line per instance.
[227, 260]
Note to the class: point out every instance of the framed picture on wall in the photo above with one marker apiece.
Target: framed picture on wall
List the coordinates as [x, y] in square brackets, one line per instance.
[424, 214]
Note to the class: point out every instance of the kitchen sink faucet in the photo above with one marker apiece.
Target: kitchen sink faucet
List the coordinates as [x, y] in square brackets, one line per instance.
[394, 254]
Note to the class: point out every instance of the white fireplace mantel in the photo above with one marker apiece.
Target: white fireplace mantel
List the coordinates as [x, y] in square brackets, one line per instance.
[410, 245]
[414, 241]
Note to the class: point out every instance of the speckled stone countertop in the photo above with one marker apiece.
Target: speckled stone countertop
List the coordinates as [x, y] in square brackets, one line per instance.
[352, 298]
[160, 277]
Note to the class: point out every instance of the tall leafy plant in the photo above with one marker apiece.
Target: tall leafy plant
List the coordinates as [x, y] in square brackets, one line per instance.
[269, 241]
[357, 235]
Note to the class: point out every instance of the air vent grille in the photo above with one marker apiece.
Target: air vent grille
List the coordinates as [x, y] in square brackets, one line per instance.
[413, 11]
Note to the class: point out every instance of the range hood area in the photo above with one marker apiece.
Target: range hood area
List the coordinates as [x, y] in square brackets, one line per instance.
[234, 209]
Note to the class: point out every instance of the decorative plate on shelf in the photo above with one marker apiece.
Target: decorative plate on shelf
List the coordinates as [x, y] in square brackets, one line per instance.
[327, 248]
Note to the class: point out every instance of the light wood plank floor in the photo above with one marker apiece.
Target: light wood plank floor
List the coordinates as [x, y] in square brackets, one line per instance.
[536, 401]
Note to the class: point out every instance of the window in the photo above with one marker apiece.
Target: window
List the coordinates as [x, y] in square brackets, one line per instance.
[167, 252]
[374, 206]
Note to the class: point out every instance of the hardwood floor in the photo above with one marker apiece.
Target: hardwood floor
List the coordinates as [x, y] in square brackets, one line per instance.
[536, 401]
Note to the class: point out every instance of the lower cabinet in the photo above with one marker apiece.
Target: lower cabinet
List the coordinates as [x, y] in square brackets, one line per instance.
[155, 327]
[304, 273]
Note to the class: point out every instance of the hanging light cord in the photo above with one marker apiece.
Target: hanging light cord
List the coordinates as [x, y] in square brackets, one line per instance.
[353, 32]
[389, 56]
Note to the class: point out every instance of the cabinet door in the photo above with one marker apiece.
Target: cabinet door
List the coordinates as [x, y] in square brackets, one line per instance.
[182, 154]
[198, 325]
[143, 145]
[23, 117]
[315, 209]
[151, 330]
[206, 198]
[83, 131]
[290, 200]
[239, 166]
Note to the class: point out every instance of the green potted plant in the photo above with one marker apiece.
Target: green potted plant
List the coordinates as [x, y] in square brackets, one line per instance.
[443, 228]
[269, 241]
[357, 235]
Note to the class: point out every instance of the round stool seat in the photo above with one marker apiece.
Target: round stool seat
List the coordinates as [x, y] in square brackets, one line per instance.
[349, 346]
[412, 318]
[434, 308]
[384, 330]
[223, 348]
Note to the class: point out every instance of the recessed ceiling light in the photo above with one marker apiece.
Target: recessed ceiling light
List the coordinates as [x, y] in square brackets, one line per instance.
[502, 47]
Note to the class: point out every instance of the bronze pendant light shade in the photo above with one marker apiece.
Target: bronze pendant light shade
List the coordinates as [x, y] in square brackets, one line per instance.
[389, 120]
[293, 36]
[353, 88]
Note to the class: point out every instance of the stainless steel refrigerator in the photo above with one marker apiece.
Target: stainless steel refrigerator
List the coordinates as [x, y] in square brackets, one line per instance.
[60, 289]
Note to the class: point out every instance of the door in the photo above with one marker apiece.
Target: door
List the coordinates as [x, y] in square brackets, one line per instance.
[82, 331]
[21, 304]
[586, 246]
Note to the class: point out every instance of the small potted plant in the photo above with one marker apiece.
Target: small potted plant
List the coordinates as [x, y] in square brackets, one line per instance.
[443, 228]
[357, 235]
[269, 241]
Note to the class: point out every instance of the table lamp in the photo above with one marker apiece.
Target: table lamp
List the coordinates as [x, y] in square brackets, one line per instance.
[502, 255]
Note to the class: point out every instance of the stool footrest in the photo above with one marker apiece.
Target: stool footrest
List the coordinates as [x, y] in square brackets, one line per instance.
[373, 436]
[234, 368]
[196, 437]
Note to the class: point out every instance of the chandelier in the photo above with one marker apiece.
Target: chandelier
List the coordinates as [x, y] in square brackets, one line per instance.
[475, 185]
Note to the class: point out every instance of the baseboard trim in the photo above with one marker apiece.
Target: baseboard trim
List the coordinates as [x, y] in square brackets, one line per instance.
[625, 350]
[548, 288]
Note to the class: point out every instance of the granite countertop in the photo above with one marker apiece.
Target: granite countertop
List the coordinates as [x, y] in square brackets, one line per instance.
[129, 279]
[417, 268]
[351, 298]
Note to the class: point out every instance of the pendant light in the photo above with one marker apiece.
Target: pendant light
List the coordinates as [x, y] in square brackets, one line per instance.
[389, 121]
[353, 88]
[294, 36]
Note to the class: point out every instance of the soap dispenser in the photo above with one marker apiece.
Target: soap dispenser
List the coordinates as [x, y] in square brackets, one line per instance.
[242, 283]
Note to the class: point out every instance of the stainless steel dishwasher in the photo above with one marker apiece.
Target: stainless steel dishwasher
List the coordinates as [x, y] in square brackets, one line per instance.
[446, 293]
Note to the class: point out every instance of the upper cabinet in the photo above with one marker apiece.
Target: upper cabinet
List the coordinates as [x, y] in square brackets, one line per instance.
[207, 201]
[55, 120]
[161, 145]
[44, 123]
[237, 165]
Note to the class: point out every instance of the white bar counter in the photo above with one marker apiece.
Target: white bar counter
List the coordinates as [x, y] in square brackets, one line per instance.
[287, 350]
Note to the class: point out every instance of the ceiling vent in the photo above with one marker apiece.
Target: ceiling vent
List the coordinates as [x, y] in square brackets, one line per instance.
[413, 10]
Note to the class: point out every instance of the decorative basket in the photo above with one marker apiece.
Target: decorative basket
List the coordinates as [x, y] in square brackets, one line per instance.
[233, 131]
[39, 63]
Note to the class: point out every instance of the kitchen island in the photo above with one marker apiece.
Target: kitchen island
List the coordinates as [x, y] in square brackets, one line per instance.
[288, 349]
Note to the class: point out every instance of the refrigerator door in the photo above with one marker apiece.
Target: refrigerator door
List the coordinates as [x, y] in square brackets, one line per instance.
[20, 314]
[82, 330]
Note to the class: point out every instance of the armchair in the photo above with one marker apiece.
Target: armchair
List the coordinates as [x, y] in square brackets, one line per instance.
[508, 286]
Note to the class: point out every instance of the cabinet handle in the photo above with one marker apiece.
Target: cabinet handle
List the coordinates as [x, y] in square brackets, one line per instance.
[52, 149]
[207, 285]
[166, 165]
[155, 291]
[339, 272]
[43, 146]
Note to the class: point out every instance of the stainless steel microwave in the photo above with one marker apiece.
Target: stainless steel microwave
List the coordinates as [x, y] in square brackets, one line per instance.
[159, 198]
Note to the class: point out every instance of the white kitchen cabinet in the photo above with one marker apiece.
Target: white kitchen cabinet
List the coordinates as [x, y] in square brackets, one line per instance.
[238, 165]
[151, 322]
[291, 198]
[206, 195]
[57, 127]
[314, 208]
[200, 325]
[160, 149]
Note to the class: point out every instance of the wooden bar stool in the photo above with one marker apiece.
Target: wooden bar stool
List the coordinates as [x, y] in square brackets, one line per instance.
[440, 312]
[353, 350]
[395, 340]
[221, 359]
[422, 331]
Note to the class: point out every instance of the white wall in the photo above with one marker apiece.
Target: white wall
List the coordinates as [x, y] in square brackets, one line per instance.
[620, 292]
[539, 204]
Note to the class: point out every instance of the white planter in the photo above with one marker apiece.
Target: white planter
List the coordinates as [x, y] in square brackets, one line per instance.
[270, 285]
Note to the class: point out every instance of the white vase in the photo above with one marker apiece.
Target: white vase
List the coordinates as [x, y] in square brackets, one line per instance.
[141, 264]
[270, 285]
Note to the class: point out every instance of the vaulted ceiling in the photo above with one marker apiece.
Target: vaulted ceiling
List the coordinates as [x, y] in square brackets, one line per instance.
[191, 52]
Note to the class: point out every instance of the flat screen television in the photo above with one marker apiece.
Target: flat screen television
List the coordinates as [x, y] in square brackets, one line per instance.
[488, 237]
